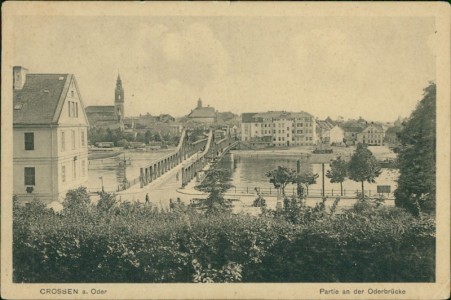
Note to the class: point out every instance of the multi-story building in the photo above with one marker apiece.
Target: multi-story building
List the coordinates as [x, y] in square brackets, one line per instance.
[373, 134]
[49, 136]
[250, 127]
[280, 129]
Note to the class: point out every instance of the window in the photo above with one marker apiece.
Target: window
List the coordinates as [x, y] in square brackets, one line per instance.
[63, 141]
[73, 139]
[29, 176]
[29, 140]
[69, 106]
[76, 109]
[72, 94]
[82, 138]
[63, 173]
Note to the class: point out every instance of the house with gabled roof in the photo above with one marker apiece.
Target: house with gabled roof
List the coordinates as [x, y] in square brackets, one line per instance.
[50, 148]
[201, 114]
[373, 134]
[323, 131]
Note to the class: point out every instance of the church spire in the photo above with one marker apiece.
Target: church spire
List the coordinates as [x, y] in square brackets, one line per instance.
[118, 81]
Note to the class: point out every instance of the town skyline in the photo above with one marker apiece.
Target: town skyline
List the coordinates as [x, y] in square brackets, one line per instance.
[344, 66]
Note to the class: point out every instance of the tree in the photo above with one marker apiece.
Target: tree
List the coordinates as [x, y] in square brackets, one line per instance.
[305, 180]
[417, 157]
[122, 143]
[106, 202]
[281, 177]
[338, 172]
[147, 136]
[363, 166]
[216, 183]
[157, 137]
[76, 201]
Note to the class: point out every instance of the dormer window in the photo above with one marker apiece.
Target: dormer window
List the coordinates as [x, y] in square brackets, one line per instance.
[72, 94]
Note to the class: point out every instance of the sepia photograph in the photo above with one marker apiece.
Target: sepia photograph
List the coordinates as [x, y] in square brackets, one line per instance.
[271, 150]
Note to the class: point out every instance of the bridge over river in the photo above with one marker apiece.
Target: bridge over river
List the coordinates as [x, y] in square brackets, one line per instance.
[162, 179]
[176, 175]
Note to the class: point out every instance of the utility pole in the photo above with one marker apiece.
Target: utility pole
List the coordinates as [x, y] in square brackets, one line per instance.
[125, 174]
[322, 167]
[298, 171]
[101, 178]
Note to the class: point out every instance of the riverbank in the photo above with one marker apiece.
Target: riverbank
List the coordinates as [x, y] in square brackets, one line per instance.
[103, 154]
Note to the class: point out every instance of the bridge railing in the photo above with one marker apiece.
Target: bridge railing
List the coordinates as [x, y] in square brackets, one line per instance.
[191, 168]
[159, 166]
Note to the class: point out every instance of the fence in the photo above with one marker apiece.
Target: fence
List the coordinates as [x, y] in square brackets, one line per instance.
[308, 192]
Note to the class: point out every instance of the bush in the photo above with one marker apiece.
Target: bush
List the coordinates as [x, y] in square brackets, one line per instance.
[130, 242]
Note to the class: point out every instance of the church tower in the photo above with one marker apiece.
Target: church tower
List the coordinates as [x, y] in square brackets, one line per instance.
[119, 99]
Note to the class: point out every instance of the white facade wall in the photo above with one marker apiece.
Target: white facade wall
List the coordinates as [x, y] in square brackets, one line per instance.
[305, 131]
[336, 134]
[371, 135]
[59, 157]
[249, 131]
[282, 132]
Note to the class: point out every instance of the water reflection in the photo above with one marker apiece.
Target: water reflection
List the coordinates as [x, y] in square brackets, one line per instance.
[248, 171]
[113, 172]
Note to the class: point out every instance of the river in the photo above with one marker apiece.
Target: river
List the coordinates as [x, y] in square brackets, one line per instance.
[112, 169]
[248, 171]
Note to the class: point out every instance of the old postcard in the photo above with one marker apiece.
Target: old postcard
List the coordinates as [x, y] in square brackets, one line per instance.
[222, 150]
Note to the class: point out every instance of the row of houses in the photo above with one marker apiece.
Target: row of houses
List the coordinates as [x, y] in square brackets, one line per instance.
[285, 129]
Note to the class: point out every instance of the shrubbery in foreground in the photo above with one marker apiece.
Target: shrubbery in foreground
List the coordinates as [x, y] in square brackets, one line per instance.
[133, 243]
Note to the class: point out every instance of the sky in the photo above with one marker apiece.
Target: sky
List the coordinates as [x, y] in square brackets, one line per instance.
[373, 67]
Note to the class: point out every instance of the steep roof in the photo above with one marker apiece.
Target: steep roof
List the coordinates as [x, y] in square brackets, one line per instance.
[377, 126]
[203, 112]
[330, 121]
[37, 102]
[101, 109]
[349, 128]
[324, 125]
[247, 117]
[282, 114]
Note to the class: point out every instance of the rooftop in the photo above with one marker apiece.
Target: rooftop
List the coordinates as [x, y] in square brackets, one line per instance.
[100, 109]
[37, 102]
[203, 112]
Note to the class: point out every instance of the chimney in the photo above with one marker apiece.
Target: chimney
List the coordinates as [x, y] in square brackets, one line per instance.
[19, 76]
